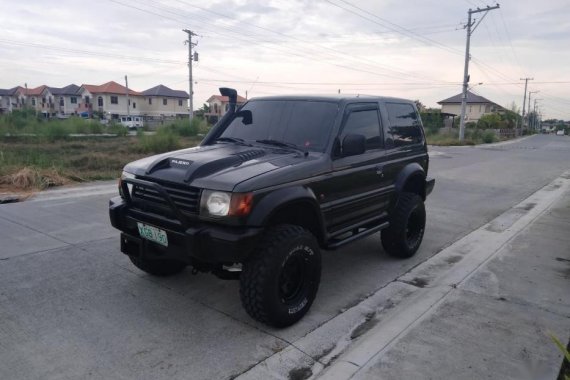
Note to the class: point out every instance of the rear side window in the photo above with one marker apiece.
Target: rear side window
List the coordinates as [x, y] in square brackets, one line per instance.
[405, 128]
[364, 123]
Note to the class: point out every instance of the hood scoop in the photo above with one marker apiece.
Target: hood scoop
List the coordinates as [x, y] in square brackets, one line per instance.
[250, 154]
[211, 167]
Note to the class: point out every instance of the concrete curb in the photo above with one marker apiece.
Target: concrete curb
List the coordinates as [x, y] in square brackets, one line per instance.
[501, 143]
[439, 276]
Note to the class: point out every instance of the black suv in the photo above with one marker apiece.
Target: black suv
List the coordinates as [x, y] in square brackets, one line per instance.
[272, 184]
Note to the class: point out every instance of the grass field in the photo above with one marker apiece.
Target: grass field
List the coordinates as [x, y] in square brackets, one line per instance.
[35, 154]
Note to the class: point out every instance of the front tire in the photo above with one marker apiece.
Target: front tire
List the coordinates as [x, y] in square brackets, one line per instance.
[280, 280]
[161, 268]
[407, 225]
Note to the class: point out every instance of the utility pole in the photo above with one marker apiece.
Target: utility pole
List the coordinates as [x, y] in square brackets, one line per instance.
[190, 59]
[524, 99]
[127, 91]
[467, 58]
[528, 113]
[535, 118]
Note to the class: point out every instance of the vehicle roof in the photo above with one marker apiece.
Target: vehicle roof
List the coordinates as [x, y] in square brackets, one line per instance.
[337, 98]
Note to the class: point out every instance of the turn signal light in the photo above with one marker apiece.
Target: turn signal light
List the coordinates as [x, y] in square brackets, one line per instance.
[241, 204]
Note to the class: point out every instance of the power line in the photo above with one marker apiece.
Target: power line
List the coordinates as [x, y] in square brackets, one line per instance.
[310, 56]
[393, 26]
[89, 52]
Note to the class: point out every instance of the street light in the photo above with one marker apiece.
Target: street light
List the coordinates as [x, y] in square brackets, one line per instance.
[475, 85]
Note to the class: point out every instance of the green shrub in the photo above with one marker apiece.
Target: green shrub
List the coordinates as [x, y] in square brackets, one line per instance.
[161, 142]
[489, 137]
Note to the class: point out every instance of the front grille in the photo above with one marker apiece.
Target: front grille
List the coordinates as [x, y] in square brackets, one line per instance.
[186, 198]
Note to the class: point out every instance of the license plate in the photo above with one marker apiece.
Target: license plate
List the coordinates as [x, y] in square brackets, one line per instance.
[153, 234]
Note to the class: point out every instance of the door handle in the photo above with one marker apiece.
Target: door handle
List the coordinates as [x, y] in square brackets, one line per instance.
[380, 171]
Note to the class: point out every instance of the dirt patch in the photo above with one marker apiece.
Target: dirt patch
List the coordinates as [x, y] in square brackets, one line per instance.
[418, 281]
[301, 373]
[324, 353]
[453, 259]
[369, 322]
[528, 206]
[553, 187]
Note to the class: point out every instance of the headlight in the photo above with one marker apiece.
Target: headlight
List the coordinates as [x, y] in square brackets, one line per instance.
[220, 203]
[125, 175]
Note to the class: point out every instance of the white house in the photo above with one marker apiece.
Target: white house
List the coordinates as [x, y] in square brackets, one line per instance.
[163, 102]
[219, 105]
[477, 106]
[8, 99]
[110, 99]
[64, 100]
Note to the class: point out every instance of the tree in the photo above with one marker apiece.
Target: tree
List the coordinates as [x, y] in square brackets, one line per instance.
[420, 106]
[203, 110]
[490, 121]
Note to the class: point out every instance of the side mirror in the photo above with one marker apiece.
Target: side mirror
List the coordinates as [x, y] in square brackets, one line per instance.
[246, 116]
[353, 145]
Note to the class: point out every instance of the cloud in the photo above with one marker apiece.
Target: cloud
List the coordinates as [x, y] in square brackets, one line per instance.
[293, 41]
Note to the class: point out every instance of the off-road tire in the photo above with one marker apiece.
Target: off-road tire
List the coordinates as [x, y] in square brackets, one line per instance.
[161, 268]
[280, 279]
[407, 226]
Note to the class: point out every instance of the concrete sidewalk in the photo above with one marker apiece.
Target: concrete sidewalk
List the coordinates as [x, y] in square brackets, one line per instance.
[492, 322]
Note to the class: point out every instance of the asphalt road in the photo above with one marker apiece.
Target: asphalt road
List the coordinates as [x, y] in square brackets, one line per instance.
[72, 306]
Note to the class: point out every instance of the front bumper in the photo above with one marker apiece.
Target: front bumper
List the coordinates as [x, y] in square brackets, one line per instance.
[204, 242]
[430, 183]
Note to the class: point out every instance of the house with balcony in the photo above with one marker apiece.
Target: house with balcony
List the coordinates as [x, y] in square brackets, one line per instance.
[219, 105]
[161, 102]
[477, 106]
[8, 99]
[64, 100]
[109, 99]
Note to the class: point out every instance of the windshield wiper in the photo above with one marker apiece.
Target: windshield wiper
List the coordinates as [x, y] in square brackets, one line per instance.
[282, 144]
[236, 140]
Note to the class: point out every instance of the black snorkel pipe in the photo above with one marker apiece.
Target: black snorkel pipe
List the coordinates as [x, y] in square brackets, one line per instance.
[221, 125]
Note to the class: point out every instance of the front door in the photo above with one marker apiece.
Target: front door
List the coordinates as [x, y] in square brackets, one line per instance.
[356, 190]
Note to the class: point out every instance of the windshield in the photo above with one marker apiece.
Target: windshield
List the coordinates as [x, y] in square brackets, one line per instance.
[306, 124]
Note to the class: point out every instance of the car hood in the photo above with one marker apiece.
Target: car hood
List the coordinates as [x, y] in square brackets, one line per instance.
[219, 167]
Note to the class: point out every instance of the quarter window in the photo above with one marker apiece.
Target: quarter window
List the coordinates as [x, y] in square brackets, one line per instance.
[364, 123]
[405, 128]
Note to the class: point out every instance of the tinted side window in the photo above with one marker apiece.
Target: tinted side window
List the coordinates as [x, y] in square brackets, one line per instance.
[404, 124]
[364, 123]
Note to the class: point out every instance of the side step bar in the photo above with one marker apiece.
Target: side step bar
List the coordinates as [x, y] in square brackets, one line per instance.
[340, 242]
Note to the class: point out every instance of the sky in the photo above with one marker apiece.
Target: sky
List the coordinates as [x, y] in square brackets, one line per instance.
[409, 49]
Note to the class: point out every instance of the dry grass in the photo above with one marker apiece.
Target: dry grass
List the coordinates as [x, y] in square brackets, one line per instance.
[29, 178]
[37, 164]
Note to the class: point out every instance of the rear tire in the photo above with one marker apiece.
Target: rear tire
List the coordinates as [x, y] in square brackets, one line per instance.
[407, 226]
[280, 280]
[160, 268]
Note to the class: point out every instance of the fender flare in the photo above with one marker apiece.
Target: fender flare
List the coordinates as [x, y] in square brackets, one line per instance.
[276, 200]
[410, 171]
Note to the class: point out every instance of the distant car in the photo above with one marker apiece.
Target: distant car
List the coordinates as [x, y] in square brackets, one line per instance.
[131, 121]
[560, 133]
